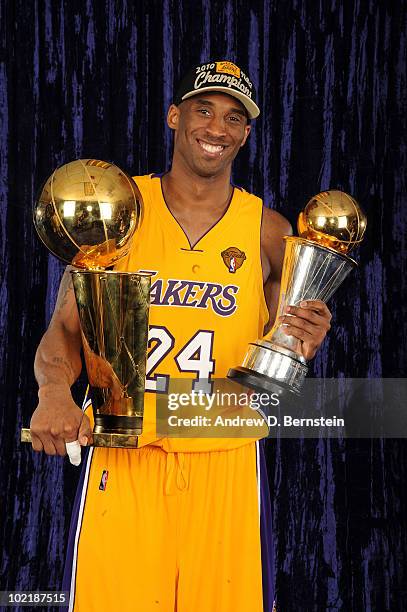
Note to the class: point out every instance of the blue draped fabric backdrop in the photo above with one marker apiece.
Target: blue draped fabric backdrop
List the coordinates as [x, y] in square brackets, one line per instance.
[94, 79]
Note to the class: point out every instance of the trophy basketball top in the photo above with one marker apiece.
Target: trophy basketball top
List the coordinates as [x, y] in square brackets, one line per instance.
[87, 213]
[333, 219]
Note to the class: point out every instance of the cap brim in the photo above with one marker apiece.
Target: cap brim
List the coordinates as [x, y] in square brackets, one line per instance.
[252, 108]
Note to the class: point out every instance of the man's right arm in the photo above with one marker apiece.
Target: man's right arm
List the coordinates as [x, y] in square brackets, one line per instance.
[57, 419]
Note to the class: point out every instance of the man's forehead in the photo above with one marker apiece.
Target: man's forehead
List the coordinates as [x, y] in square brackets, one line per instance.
[214, 97]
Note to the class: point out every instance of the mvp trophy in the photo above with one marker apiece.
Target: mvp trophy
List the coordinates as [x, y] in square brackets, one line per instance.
[315, 264]
[87, 215]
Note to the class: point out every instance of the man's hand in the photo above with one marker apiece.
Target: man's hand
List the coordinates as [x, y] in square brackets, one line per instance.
[57, 420]
[309, 322]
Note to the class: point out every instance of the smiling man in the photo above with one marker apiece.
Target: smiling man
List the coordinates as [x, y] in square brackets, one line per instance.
[174, 525]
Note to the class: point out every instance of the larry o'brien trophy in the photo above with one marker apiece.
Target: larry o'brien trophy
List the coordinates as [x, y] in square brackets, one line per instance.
[315, 264]
[87, 215]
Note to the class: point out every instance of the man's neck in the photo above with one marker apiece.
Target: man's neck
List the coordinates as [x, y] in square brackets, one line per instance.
[185, 189]
[196, 202]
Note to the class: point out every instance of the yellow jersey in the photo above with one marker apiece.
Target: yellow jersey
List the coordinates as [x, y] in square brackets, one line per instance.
[207, 301]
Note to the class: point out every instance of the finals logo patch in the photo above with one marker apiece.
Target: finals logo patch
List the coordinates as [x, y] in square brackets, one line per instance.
[233, 258]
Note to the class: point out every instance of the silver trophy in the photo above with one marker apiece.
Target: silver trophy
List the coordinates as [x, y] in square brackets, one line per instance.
[315, 265]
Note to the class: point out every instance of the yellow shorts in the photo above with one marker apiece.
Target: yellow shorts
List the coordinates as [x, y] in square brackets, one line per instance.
[168, 532]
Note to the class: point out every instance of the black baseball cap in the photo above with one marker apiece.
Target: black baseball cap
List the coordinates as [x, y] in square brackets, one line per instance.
[222, 76]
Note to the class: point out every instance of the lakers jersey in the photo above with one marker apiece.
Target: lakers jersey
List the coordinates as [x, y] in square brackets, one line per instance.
[207, 301]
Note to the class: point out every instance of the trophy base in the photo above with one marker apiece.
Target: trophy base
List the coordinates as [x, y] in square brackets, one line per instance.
[114, 423]
[111, 440]
[117, 431]
[256, 381]
[115, 440]
[271, 369]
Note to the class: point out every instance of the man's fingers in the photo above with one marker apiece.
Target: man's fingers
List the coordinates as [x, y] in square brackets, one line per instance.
[298, 332]
[43, 440]
[36, 442]
[58, 441]
[308, 314]
[60, 446]
[70, 432]
[297, 322]
[305, 313]
[317, 305]
[53, 441]
[85, 431]
[49, 446]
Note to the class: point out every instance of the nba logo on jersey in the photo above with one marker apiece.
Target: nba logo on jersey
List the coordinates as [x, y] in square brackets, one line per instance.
[103, 480]
[233, 258]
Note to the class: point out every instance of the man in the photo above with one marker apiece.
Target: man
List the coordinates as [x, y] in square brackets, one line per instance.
[174, 525]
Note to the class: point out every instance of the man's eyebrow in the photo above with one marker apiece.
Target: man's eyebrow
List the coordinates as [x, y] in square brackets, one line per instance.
[209, 103]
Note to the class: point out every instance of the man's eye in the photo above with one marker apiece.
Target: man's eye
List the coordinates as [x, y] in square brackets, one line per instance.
[234, 118]
[204, 111]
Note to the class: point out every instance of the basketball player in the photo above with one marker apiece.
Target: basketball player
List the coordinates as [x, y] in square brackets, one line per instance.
[181, 523]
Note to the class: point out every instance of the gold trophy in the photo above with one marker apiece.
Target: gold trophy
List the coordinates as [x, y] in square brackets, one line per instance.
[315, 265]
[87, 215]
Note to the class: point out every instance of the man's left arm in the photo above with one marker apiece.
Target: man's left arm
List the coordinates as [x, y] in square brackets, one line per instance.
[309, 321]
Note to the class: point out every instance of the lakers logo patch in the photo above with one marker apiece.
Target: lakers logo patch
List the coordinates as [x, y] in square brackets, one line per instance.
[233, 258]
[103, 480]
[229, 68]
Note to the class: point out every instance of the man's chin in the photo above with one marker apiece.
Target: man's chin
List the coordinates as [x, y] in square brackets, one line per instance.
[210, 169]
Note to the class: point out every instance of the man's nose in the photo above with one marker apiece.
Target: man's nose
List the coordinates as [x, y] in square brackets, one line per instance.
[216, 127]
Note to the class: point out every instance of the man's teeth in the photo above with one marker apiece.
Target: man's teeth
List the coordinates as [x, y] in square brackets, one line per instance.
[211, 148]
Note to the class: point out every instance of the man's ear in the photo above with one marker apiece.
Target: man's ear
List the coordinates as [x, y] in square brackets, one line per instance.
[247, 132]
[173, 117]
